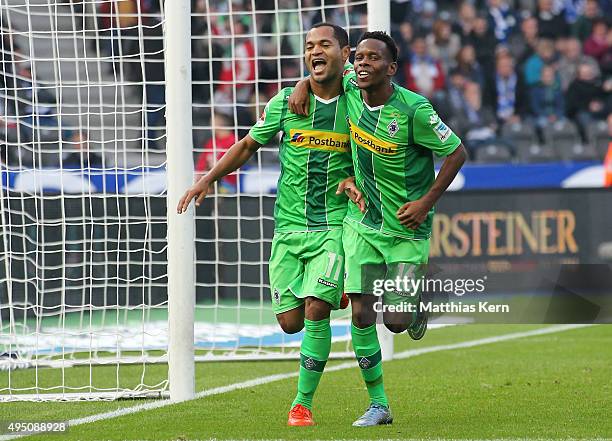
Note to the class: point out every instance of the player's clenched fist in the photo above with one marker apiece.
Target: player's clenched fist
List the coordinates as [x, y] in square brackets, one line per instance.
[413, 214]
[199, 190]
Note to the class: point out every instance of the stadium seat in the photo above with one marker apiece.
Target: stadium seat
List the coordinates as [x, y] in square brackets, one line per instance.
[519, 132]
[579, 152]
[598, 137]
[534, 152]
[493, 153]
[562, 136]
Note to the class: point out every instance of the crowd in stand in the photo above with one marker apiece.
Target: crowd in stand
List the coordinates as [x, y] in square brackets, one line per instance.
[499, 62]
[485, 64]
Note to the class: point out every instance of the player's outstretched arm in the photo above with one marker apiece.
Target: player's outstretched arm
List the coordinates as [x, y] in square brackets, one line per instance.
[236, 157]
[412, 214]
[299, 100]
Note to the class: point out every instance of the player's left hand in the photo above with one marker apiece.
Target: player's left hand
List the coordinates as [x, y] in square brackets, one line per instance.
[412, 214]
[349, 187]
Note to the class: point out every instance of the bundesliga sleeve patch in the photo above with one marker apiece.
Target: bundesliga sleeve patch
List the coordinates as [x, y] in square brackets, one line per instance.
[442, 131]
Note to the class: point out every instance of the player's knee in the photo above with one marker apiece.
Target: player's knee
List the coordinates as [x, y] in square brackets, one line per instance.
[397, 322]
[289, 326]
[317, 309]
[396, 328]
[291, 321]
[361, 319]
[363, 315]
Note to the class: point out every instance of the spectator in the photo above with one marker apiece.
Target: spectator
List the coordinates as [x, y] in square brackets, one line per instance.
[484, 42]
[583, 26]
[507, 92]
[238, 71]
[546, 98]
[118, 20]
[585, 99]
[423, 74]
[223, 138]
[403, 39]
[476, 123]
[286, 26]
[37, 104]
[204, 49]
[443, 45]
[501, 19]
[597, 45]
[290, 73]
[468, 66]
[551, 24]
[571, 9]
[605, 63]
[455, 100]
[571, 59]
[545, 54]
[423, 16]
[77, 153]
[522, 45]
[465, 20]
[151, 46]
[606, 8]
[401, 12]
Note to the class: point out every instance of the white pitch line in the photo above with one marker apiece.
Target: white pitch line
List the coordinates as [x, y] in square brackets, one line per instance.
[278, 377]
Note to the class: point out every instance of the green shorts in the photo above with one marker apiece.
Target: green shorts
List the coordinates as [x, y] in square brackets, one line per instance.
[306, 264]
[373, 257]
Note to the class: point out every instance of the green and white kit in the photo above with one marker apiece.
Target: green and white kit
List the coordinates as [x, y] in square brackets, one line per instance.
[307, 257]
[392, 151]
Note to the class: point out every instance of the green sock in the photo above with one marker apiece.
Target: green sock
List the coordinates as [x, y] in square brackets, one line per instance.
[313, 356]
[367, 351]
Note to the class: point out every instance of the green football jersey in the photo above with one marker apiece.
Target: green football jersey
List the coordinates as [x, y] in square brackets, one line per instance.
[314, 157]
[392, 148]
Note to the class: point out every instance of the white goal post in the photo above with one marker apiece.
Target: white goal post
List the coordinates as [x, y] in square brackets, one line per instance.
[105, 292]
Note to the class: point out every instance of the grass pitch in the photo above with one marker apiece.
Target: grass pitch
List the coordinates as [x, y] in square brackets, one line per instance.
[551, 386]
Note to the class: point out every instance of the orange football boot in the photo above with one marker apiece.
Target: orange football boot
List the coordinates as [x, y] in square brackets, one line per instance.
[300, 416]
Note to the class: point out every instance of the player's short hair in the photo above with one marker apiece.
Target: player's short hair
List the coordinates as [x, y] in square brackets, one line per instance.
[339, 33]
[385, 38]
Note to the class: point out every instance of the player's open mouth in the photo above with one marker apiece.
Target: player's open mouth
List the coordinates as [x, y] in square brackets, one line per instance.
[363, 75]
[318, 65]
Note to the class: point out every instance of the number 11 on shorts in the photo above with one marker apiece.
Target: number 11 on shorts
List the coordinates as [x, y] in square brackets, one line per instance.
[335, 262]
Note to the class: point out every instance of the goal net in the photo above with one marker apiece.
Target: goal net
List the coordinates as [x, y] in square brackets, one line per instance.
[84, 250]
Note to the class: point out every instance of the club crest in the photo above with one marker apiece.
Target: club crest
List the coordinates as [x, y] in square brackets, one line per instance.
[364, 363]
[309, 363]
[393, 128]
